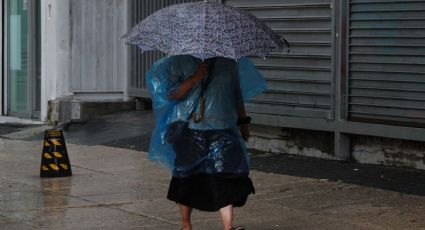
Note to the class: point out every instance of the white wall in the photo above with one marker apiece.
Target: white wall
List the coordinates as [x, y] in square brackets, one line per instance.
[81, 50]
[98, 54]
[55, 51]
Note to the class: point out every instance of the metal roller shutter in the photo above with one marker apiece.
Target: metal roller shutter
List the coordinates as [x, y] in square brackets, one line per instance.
[387, 61]
[300, 83]
[97, 57]
[141, 62]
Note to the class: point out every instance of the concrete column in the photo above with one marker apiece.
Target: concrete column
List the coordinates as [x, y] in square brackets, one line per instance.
[55, 51]
[342, 146]
[63, 44]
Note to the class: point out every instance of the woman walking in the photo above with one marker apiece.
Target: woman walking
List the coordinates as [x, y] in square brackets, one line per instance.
[199, 107]
[205, 126]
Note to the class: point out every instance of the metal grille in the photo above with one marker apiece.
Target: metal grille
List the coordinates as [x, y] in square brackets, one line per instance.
[387, 62]
[141, 62]
[300, 83]
[97, 55]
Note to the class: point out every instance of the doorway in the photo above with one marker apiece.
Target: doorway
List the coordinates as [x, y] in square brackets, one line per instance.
[22, 50]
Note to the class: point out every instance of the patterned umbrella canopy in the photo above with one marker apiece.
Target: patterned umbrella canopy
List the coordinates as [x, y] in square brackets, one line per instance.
[204, 30]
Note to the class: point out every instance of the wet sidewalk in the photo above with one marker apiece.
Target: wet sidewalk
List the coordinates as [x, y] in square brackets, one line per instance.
[114, 186]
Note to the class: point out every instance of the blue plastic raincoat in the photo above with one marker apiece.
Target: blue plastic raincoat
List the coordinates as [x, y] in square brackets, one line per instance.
[213, 145]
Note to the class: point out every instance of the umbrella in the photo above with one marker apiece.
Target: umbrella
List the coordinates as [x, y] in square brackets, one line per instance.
[205, 30]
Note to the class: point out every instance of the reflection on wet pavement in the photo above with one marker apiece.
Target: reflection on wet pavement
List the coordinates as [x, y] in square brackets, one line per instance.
[119, 188]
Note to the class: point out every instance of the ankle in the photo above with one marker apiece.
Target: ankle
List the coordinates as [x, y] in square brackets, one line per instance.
[186, 226]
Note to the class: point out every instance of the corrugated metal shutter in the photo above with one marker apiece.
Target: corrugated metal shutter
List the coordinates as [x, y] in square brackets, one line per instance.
[141, 62]
[97, 53]
[387, 61]
[300, 83]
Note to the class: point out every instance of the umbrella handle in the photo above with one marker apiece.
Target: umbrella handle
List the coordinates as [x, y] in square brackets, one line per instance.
[196, 119]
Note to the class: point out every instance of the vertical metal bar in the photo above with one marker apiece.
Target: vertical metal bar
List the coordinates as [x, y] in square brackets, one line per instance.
[82, 8]
[135, 51]
[149, 54]
[139, 56]
[2, 57]
[340, 56]
[135, 60]
[6, 62]
[143, 56]
[128, 57]
[31, 59]
[346, 33]
[341, 140]
[335, 50]
[138, 59]
[3, 69]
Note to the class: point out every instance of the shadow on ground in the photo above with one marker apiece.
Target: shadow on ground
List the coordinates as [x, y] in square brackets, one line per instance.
[132, 130]
[401, 180]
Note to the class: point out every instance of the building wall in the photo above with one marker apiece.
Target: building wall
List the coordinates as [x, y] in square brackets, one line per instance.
[302, 142]
[355, 69]
[99, 57]
[386, 151]
[141, 62]
[359, 61]
[387, 62]
[363, 149]
[83, 57]
[309, 108]
[55, 51]
[300, 82]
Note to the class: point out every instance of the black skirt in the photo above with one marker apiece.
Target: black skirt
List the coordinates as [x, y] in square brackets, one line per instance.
[210, 192]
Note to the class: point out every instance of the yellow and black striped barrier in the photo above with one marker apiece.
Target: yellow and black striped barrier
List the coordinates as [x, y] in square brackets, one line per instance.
[54, 159]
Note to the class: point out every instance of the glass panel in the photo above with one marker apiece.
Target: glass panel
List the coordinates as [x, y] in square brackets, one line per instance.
[18, 56]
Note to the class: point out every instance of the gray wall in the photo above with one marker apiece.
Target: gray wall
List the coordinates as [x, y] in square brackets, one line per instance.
[300, 83]
[141, 62]
[83, 57]
[387, 62]
[351, 63]
[99, 60]
[356, 68]
[385, 151]
[55, 51]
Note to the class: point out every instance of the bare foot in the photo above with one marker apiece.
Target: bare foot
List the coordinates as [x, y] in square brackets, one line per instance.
[186, 227]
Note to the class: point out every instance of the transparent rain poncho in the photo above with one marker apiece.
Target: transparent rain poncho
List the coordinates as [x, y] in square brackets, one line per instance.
[214, 145]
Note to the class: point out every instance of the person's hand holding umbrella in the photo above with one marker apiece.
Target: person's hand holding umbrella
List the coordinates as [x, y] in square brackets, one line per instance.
[199, 74]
